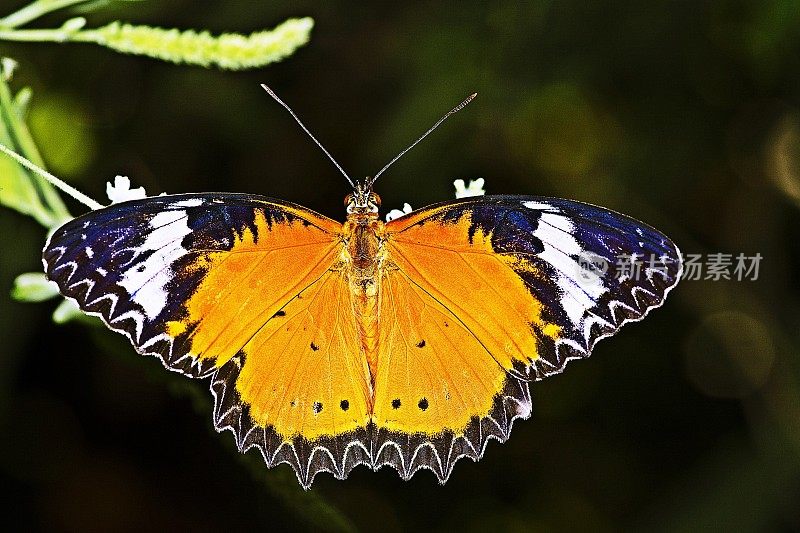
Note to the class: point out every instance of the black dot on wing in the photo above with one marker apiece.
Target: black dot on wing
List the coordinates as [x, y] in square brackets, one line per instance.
[317, 407]
[421, 344]
[345, 405]
[396, 403]
[314, 347]
[279, 313]
[423, 404]
[293, 403]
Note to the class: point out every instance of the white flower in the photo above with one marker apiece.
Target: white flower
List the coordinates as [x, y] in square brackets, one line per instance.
[396, 213]
[121, 190]
[475, 188]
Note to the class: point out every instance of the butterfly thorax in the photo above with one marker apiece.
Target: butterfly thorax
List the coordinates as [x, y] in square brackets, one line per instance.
[364, 255]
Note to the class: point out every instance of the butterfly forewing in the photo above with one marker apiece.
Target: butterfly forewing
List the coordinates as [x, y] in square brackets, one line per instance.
[537, 280]
[189, 278]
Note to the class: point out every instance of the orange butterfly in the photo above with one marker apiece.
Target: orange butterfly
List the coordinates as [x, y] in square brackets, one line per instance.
[410, 343]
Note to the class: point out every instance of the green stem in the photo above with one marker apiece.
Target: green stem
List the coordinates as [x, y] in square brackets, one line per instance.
[58, 36]
[54, 181]
[35, 10]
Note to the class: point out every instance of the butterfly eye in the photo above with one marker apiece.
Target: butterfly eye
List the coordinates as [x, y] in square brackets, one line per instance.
[348, 200]
[375, 199]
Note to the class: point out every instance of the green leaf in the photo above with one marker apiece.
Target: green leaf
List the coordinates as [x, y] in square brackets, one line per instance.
[66, 311]
[33, 287]
[22, 101]
[58, 123]
[20, 189]
[17, 189]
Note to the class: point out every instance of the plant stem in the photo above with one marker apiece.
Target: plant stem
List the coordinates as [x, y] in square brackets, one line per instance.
[35, 10]
[68, 189]
[58, 36]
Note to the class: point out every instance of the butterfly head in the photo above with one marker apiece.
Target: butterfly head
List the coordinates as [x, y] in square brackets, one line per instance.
[363, 200]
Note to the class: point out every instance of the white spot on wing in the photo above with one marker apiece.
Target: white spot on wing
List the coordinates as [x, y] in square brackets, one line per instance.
[145, 281]
[193, 202]
[532, 204]
[560, 248]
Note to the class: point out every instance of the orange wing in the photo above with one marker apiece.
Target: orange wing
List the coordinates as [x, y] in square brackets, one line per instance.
[481, 296]
[239, 287]
[438, 387]
[299, 389]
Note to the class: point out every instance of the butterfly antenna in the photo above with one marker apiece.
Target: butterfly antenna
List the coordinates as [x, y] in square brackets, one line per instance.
[289, 109]
[456, 109]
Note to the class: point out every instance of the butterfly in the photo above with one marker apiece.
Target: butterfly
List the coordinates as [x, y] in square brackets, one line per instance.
[410, 343]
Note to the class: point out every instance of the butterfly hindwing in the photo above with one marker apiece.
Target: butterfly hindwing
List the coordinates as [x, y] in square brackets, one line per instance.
[298, 390]
[533, 282]
[437, 387]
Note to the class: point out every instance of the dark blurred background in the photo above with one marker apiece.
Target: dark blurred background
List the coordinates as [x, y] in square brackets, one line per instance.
[683, 114]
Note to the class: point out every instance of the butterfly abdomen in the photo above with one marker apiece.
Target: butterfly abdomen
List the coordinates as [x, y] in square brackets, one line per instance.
[363, 250]
[365, 298]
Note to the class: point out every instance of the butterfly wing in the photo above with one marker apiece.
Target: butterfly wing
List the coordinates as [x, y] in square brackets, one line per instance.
[175, 273]
[299, 389]
[241, 288]
[477, 298]
[482, 296]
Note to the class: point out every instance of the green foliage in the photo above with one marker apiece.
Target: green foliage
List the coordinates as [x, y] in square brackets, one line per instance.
[232, 51]
[59, 125]
[25, 189]
[21, 189]
[35, 287]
